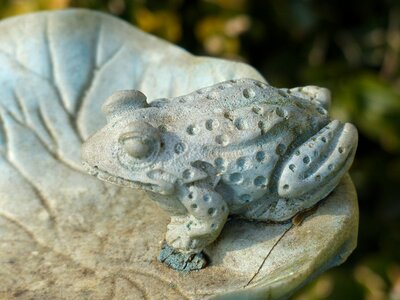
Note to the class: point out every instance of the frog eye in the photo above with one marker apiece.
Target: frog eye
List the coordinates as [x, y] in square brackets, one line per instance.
[137, 147]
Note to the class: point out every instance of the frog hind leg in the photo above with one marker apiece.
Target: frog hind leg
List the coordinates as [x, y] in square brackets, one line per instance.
[315, 94]
[315, 168]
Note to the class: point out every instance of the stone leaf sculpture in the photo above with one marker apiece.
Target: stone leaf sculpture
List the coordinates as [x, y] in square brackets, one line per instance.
[67, 235]
[239, 147]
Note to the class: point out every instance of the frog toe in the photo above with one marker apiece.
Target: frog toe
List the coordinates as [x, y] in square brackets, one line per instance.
[315, 168]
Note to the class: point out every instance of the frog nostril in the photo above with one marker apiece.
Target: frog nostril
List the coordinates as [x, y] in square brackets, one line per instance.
[323, 139]
[341, 150]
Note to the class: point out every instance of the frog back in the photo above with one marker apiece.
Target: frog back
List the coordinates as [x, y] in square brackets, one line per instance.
[244, 143]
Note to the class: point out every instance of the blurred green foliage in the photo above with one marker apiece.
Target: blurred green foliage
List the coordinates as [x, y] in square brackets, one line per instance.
[351, 47]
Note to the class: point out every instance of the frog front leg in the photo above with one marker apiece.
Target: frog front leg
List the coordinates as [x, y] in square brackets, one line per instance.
[206, 215]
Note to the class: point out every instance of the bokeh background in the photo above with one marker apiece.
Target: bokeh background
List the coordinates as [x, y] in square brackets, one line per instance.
[351, 47]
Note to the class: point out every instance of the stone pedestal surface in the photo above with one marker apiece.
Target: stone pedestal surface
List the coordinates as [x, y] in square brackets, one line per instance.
[65, 234]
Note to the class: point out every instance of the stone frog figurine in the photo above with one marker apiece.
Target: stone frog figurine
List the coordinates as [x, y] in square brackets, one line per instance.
[239, 147]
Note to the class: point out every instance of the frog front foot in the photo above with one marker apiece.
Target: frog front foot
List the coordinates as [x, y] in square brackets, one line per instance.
[183, 262]
[187, 235]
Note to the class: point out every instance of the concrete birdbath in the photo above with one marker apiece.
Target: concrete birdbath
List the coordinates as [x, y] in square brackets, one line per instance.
[65, 234]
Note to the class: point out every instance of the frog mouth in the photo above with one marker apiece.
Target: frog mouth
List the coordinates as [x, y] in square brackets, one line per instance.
[110, 178]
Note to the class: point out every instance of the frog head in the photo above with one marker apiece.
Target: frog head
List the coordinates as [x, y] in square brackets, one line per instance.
[126, 151]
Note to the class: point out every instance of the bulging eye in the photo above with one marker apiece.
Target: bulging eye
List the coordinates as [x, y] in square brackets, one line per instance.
[137, 147]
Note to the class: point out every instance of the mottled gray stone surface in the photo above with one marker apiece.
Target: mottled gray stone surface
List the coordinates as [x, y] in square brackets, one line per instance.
[64, 234]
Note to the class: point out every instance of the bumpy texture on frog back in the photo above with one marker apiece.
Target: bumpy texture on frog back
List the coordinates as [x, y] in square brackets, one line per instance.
[239, 147]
